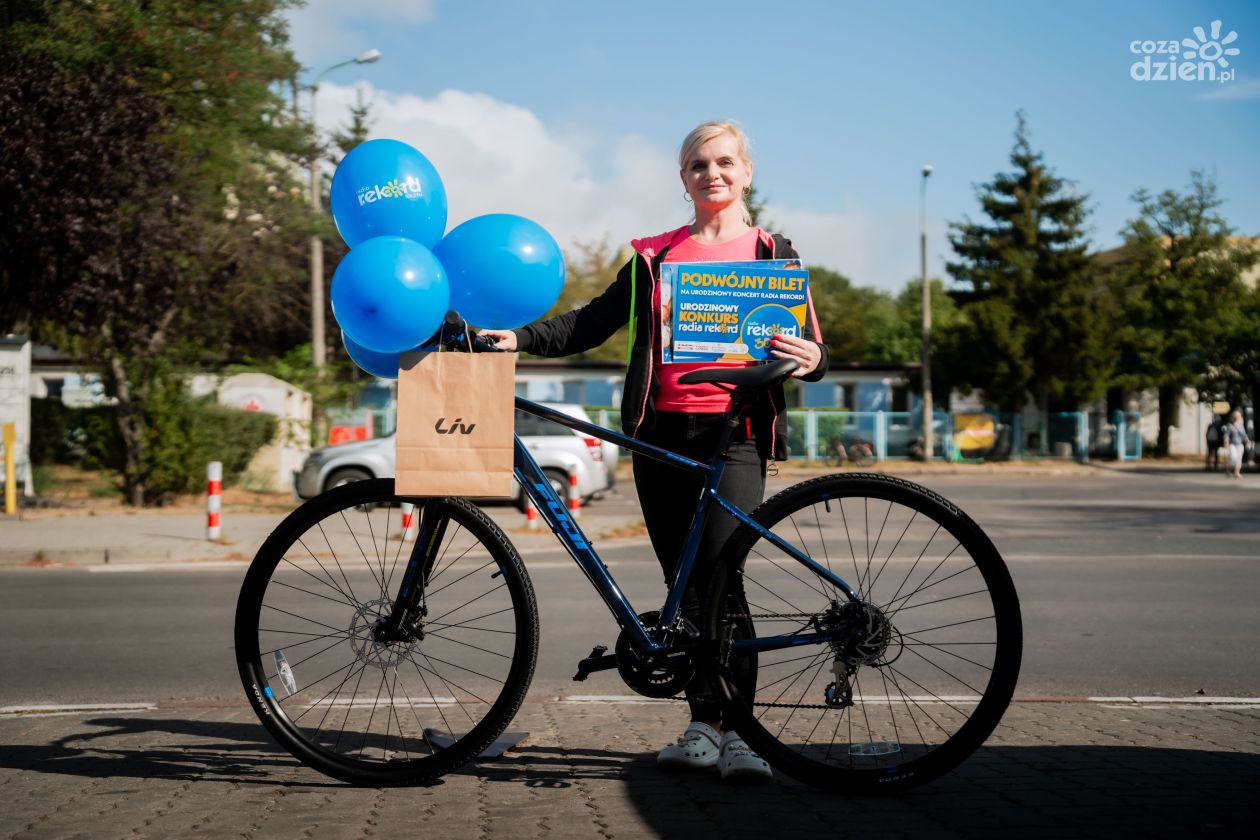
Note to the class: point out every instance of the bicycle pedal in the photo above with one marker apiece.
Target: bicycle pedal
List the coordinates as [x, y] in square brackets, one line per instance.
[599, 660]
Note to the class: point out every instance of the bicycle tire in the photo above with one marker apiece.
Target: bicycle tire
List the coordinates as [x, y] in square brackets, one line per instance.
[952, 638]
[313, 591]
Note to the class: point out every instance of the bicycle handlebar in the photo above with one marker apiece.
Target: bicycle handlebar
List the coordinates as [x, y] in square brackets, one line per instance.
[455, 336]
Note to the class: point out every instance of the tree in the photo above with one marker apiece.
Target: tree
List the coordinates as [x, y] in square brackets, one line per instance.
[848, 315]
[1234, 364]
[1033, 323]
[896, 332]
[757, 208]
[1182, 307]
[356, 132]
[153, 167]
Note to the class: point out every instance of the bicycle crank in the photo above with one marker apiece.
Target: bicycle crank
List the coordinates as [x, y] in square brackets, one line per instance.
[662, 675]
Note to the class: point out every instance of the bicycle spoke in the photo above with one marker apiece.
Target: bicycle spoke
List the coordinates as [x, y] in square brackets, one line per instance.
[367, 561]
[337, 560]
[466, 644]
[898, 694]
[362, 715]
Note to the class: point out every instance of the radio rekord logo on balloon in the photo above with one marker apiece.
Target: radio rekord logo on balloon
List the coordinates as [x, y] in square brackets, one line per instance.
[406, 188]
[1203, 58]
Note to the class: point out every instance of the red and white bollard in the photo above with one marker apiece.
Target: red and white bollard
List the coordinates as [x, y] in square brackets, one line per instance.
[214, 498]
[575, 500]
[408, 518]
[531, 513]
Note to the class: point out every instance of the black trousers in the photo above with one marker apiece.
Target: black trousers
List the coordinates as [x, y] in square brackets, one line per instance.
[668, 498]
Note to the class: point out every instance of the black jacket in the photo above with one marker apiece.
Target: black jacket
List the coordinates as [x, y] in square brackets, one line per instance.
[629, 299]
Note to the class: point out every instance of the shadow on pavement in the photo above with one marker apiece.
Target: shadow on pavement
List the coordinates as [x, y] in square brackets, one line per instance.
[1046, 790]
[199, 750]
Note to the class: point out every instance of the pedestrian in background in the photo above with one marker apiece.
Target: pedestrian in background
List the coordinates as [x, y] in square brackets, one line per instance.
[1213, 460]
[1234, 437]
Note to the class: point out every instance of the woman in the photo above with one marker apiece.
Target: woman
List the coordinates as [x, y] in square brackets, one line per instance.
[1234, 439]
[716, 173]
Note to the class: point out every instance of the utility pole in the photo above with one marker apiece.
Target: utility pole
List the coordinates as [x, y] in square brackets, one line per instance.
[318, 340]
[926, 355]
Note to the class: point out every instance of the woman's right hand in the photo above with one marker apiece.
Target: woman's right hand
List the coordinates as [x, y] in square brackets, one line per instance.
[501, 339]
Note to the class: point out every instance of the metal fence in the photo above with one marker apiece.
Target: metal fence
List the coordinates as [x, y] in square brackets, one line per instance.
[814, 435]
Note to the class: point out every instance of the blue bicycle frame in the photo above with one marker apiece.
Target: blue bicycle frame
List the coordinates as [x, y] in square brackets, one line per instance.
[554, 511]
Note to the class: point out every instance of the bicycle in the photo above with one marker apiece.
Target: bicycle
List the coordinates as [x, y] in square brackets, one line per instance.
[357, 643]
[857, 451]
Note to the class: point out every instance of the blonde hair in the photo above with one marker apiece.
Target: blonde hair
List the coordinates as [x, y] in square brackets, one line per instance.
[707, 131]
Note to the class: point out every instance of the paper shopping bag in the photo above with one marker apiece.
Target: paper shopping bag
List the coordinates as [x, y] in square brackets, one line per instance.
[455, 424]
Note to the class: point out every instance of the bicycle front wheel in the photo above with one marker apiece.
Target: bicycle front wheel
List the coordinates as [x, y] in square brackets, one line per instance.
[879, 693]
[373, 712]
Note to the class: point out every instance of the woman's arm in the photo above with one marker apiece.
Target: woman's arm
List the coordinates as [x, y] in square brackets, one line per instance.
[809, 351]
[574, 331]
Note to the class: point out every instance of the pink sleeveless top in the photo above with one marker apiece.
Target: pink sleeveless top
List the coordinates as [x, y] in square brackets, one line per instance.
[703, 398]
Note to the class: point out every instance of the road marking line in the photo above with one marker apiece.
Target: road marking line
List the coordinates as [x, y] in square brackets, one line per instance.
[1124, 701]
[1208, 701]
[75, 708]
[172, 566]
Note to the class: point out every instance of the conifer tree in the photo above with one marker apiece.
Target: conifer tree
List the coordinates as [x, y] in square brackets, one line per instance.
[1033, 322]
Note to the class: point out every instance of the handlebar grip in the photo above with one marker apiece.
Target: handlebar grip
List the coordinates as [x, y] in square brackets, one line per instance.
[454, 335]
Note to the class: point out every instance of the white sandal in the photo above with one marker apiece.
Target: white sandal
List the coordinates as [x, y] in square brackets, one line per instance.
[696, 748]
[737, 761]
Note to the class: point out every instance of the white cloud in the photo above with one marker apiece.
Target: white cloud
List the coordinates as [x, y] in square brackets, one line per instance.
[496, 157]
[854, 243]
[1242, 89]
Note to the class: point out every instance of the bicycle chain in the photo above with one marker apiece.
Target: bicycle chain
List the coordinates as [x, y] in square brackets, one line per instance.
[774, 705]
[770, 615]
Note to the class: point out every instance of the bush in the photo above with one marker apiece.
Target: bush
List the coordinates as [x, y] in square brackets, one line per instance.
[184, 434]
[62, 435]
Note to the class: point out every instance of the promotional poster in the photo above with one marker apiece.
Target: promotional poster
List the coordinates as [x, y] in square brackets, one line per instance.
[729, 311]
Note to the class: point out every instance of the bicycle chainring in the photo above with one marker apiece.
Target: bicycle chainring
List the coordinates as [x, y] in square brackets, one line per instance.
[657, 677]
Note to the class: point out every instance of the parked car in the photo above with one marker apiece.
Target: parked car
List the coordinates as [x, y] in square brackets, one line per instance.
[556, 448]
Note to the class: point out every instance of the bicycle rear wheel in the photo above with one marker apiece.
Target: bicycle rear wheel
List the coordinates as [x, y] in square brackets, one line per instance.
[371, 712]
[928, 657]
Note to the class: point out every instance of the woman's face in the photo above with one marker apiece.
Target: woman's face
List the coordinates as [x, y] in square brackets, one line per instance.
[716, 175]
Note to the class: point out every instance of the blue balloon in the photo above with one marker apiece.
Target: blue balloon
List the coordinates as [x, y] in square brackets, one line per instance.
[387, 188]
[505, 271]
[390, 294]
[384, 365]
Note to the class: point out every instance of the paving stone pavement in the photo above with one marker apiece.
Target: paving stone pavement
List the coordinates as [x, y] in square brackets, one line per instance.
[1053, 769]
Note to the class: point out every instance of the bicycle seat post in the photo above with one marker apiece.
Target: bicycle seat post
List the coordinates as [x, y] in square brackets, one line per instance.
[740, 399]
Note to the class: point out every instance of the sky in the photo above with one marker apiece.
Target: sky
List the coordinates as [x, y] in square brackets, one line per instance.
[570, 113]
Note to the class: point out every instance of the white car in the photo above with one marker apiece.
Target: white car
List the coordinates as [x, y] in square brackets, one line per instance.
[557, 449]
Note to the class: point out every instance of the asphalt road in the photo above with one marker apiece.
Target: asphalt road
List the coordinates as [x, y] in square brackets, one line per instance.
[1131, 584]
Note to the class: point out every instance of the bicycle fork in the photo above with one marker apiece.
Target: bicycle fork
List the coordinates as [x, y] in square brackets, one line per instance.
[406, 617]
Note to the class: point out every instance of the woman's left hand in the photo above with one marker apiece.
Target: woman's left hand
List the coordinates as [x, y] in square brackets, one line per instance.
[805, 352]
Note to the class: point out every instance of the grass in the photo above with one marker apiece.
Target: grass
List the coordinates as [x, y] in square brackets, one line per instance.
[64, 483]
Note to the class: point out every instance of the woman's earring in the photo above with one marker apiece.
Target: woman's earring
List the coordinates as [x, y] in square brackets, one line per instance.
[686, 196]
[748, 190]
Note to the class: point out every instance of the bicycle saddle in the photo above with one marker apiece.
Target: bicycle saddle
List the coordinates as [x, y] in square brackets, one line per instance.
[753, 376]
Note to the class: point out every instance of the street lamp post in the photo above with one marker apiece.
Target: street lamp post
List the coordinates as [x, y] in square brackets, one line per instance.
[926, 355]
[317, 244]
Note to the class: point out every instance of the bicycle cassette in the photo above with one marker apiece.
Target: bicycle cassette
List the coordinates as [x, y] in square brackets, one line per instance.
[660, 676]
